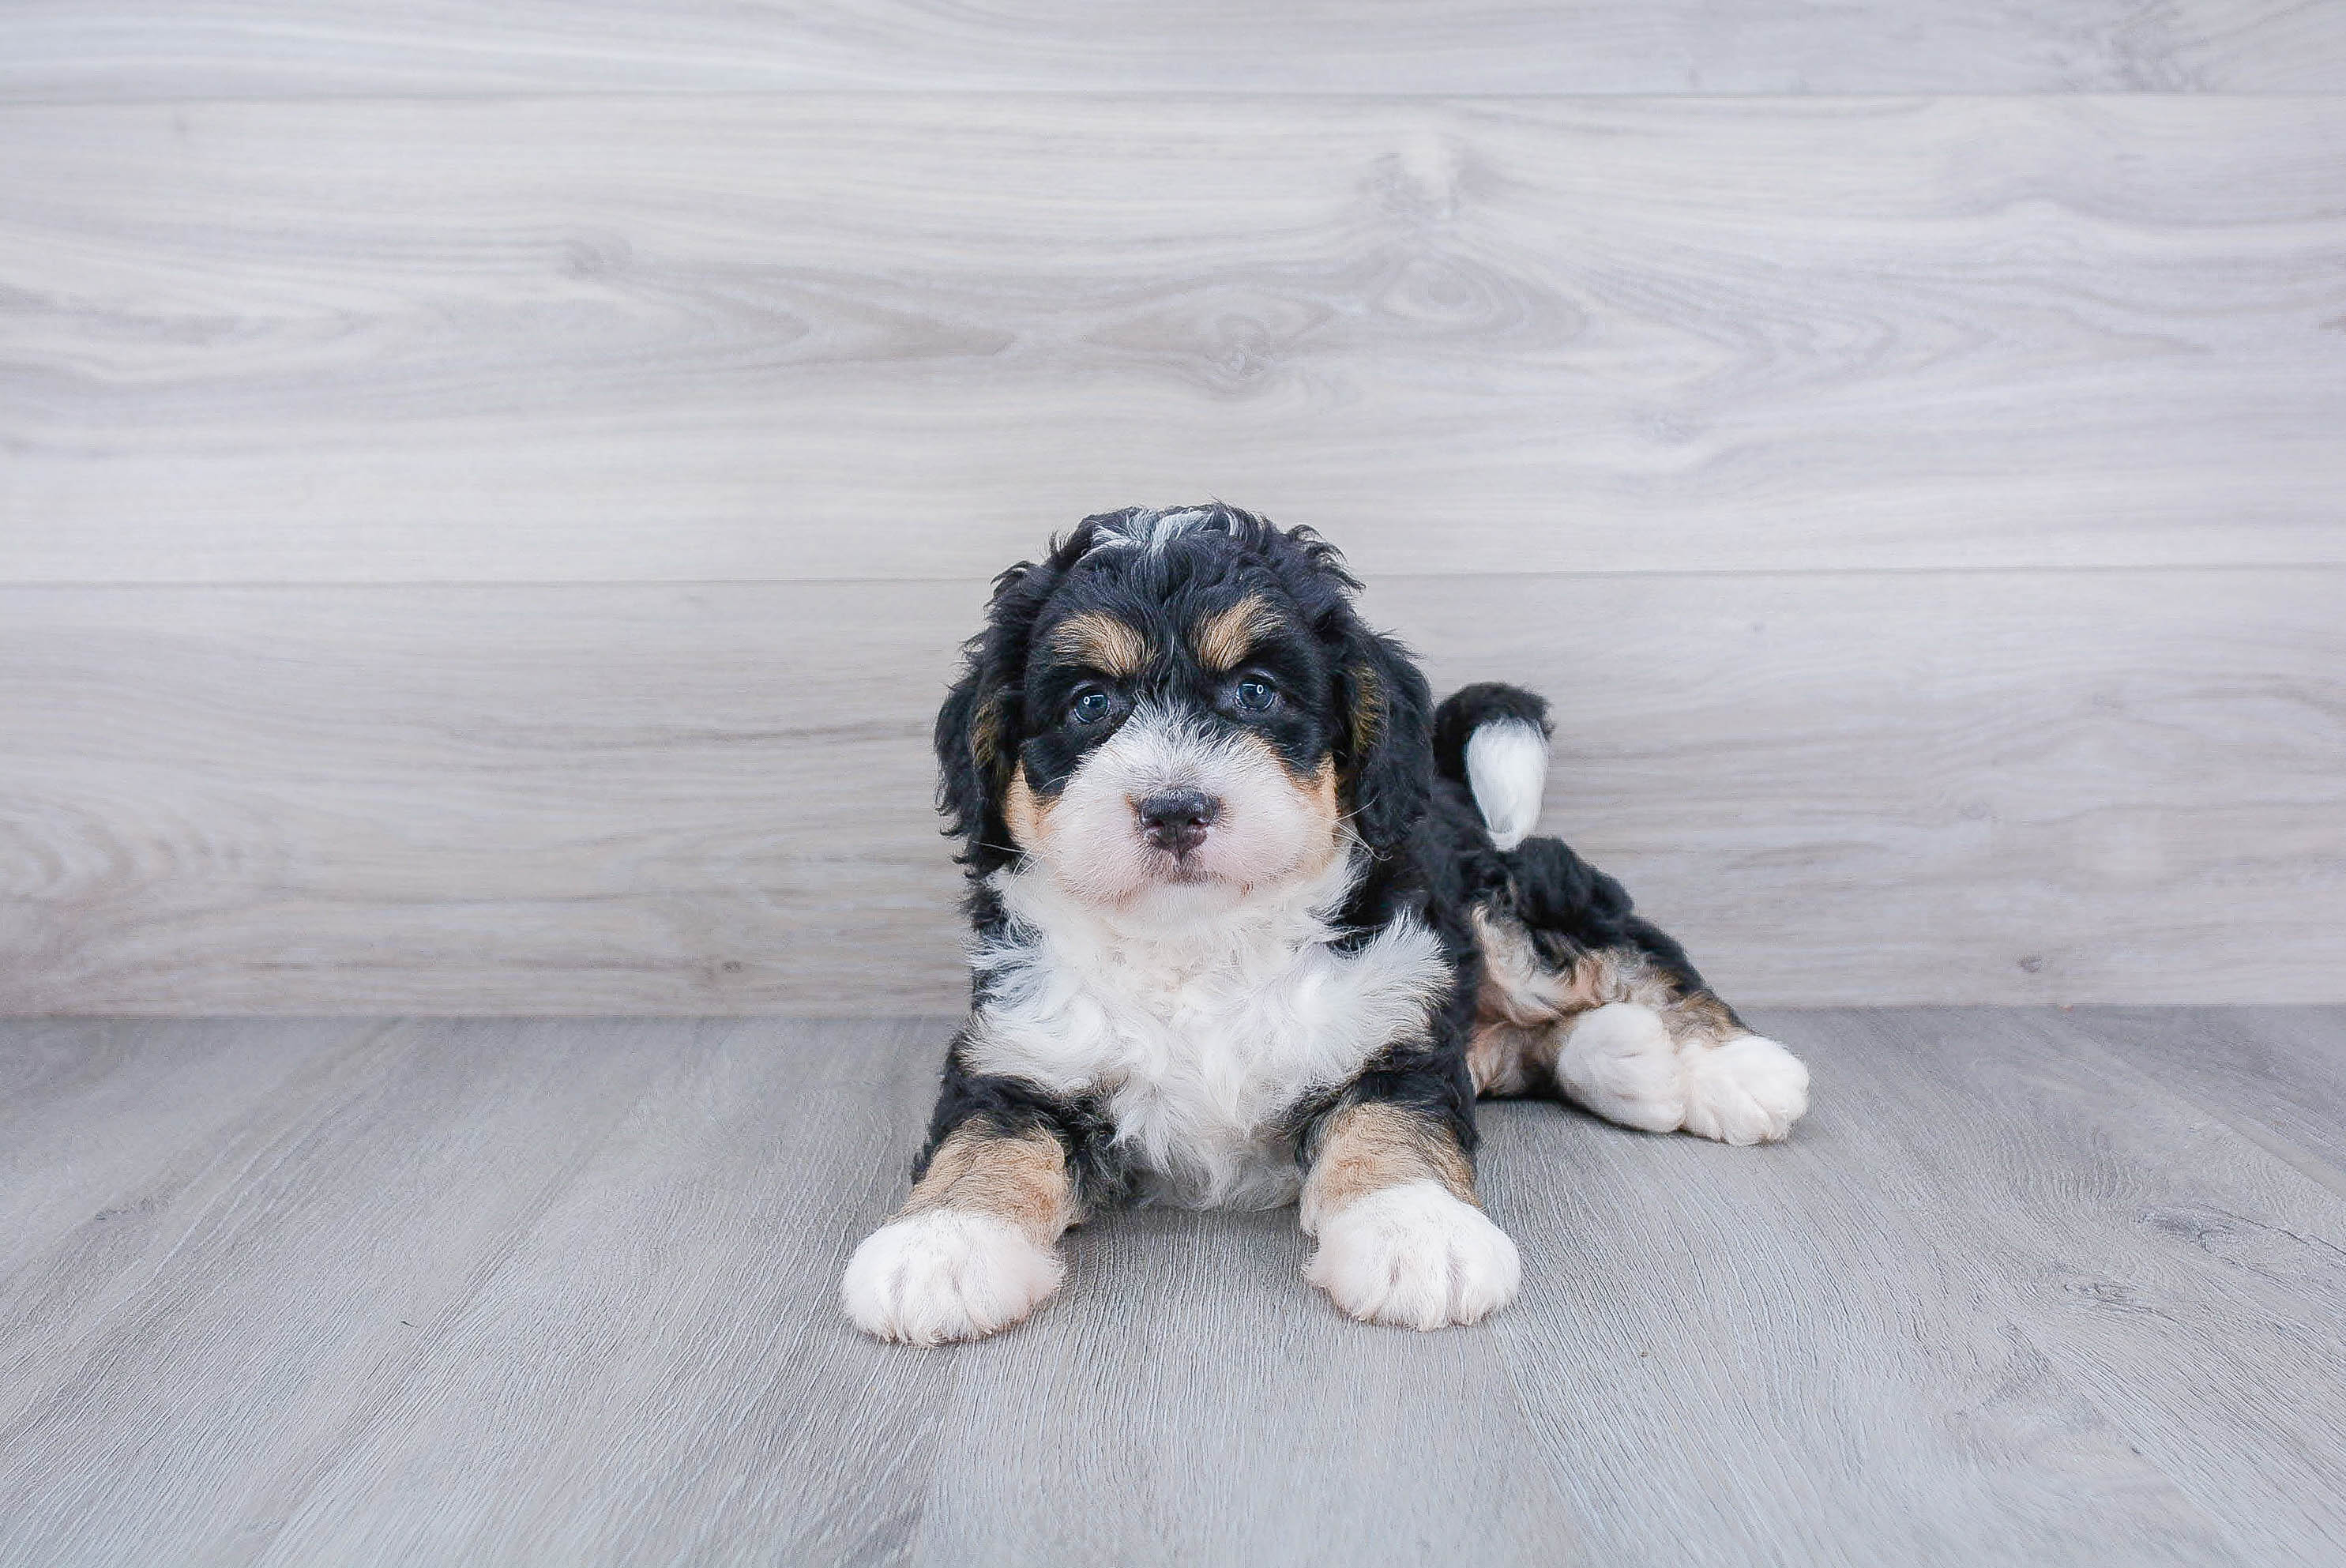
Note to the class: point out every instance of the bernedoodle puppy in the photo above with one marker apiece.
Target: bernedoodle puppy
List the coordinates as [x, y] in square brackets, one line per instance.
[1255, 922]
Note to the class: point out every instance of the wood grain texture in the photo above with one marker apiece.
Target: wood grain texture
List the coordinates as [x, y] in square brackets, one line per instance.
[89, 1109]
[2276, 1075]
[1958, 786]
[660, 1372]
[271, 1282]
[55, 49]
[1793, 1356]
[847, 337]
[577, 800]
[562, 1291]
[1230, 1414]
[525, 1241]
[2192, 1285]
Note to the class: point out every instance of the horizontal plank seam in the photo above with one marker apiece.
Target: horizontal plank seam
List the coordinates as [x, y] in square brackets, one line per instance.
[2160, 568]
[1110, 95]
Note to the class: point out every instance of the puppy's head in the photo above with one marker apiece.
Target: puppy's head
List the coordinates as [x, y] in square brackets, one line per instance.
[1180, 708]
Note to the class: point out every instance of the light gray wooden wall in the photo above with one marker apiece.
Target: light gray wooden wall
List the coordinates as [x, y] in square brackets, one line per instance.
[488, 496]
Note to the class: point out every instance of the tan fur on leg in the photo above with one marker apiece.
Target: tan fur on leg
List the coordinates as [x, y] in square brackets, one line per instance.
[1372, 1145]
[1022, 1179]
[1616, 1033]
[972, 1250]
[1403, 1240]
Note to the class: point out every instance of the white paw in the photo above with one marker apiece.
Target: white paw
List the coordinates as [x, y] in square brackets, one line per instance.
[945, 1275]
[1620, 1062]
[1747, 1091]
[1415, 1257]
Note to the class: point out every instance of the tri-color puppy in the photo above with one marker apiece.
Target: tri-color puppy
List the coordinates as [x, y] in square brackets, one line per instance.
[1254, 922]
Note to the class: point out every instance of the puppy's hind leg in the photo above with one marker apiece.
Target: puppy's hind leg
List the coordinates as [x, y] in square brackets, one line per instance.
[1652, 1068]
[1623, 1024]
[1619, 1060]
[1745, 1089]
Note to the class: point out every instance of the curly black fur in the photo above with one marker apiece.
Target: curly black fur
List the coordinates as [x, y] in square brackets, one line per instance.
[1364, 707]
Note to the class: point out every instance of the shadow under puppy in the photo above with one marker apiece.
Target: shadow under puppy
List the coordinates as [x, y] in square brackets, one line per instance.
[1253, 922]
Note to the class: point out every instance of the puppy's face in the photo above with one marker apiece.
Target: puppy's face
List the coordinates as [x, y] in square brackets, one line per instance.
[1178, 732]
[1178, 711]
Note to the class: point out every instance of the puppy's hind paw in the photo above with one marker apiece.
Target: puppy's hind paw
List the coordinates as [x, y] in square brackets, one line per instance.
[1748, 1091]
[1620, 1062]
[945, 1275]
[1415, 1257]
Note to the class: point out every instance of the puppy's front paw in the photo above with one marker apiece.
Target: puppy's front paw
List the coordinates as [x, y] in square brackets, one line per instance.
[1415, 1257]
[945, 1275]
[1747, 1091]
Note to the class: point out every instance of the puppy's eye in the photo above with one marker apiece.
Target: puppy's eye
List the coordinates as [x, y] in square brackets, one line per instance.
[1256, 695]
[1091, 708]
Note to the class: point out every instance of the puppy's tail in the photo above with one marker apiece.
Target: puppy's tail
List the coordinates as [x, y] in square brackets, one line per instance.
[1492, 738]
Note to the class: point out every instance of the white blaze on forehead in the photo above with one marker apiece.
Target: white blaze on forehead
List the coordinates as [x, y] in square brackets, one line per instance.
[1150, 531]
[1270, 827]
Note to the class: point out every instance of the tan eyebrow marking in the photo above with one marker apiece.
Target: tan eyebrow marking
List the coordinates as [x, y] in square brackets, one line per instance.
[1224, 638]
[1103, 642]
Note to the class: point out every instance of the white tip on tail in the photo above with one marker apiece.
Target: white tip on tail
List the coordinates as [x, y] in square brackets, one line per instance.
[1506, 766]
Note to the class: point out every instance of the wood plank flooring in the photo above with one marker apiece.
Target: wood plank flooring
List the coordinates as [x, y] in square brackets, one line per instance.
[2028, 1287]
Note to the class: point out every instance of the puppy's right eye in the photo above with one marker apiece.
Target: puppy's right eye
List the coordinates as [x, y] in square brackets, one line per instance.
[1090, 707]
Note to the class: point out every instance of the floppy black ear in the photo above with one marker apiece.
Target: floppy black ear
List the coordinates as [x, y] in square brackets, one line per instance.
[1386, 763]
[977, 728]
[968, 793]
[977, 746]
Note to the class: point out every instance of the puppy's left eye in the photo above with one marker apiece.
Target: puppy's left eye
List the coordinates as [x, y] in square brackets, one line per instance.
[1255, 696]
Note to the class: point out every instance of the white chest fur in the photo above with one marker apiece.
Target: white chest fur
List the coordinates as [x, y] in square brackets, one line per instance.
[1200, 1034]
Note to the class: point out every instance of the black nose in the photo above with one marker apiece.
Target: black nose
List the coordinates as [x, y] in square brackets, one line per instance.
[1177, 819]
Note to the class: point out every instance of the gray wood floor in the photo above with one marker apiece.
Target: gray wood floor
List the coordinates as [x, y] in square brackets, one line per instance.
[2029, 1286]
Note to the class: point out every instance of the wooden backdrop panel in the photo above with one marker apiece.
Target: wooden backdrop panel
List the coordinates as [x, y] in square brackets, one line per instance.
[70, 49]
[868, 336]
[1853, 787]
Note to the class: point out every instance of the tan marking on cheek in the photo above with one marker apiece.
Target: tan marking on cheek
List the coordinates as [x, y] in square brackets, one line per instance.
[1321, 802]
[1373, 1146]
[1101, 642]
[1327, 816]
[1029, 817]
[1224, 638]
[1021, 1180]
